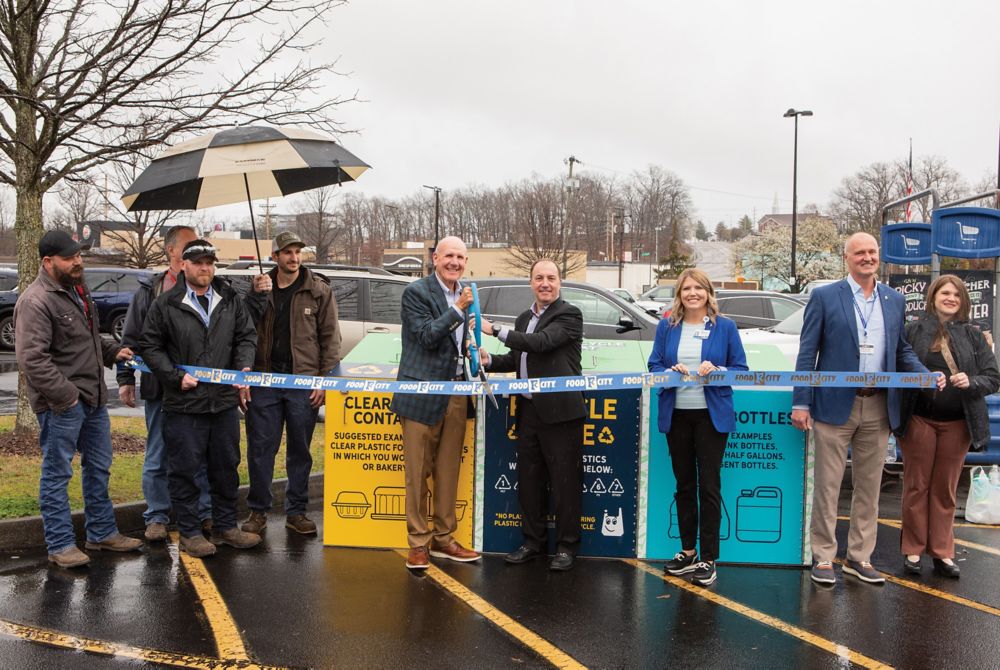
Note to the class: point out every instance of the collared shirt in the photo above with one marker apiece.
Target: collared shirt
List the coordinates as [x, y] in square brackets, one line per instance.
[536, 315]
[871, 326]
[169, 280]
[452, 298]
[191, 300]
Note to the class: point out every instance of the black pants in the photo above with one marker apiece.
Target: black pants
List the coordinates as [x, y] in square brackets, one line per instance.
[549, 455]
[696, 450]
[271, 412]
[193, 440]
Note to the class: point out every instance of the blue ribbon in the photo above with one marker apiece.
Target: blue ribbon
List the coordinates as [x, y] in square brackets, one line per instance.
[477, 334]
[598, 382]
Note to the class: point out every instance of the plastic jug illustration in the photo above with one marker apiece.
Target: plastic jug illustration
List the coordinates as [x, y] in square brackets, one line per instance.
[758, 515]
[674, 530]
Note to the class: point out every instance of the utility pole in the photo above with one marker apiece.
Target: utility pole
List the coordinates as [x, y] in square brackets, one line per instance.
[267, 207]
[437, 216]
[571, 185]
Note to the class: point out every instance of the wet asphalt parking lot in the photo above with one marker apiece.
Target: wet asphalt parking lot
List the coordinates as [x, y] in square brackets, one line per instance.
[292, 602]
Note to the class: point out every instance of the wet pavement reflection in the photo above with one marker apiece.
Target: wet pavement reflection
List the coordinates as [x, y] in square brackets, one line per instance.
[298, 604]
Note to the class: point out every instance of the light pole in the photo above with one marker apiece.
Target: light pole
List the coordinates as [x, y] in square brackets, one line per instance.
[795, 114]
[437, 214]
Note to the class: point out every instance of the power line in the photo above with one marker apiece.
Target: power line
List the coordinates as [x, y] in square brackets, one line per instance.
[694, 188]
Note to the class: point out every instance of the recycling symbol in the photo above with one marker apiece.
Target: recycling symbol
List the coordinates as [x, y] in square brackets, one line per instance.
[606, 436]
[503, 484]
[598, 487]
[512, 433]
[616, 488]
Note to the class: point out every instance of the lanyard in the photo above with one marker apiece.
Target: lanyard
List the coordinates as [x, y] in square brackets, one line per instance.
[871, 310]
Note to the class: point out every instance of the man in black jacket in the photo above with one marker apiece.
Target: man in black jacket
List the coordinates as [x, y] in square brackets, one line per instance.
[546, 342]
[201, 322]
[154, 462]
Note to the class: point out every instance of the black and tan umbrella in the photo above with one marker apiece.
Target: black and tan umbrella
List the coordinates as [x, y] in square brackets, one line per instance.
[241, 164]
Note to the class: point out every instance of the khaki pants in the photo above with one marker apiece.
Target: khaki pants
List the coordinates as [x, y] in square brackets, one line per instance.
[433, 451]
[867, 434]
[933, 456]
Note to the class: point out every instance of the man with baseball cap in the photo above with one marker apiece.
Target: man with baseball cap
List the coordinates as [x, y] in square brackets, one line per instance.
[201, 322]
[298, 333]
[60, 351]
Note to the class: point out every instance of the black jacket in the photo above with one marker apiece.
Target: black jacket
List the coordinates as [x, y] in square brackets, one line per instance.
[973, 357]
[149, 289]
[174, 334]
[554, 350]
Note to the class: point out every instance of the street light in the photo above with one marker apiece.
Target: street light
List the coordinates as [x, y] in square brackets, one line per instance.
[794, 283]
[437, 213]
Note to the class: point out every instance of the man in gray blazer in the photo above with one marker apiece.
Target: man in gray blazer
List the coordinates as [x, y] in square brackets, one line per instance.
[434, 334]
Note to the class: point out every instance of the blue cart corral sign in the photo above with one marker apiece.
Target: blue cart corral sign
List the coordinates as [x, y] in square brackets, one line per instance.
[906, 243]
[610, 476]
[966, 232]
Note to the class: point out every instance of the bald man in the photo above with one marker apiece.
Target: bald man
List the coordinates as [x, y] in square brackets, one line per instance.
[434, 333]
[853, 325]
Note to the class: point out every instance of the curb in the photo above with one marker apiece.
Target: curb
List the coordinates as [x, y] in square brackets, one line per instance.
[26, 533]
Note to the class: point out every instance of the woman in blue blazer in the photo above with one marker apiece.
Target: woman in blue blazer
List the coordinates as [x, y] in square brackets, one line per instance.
[697, 421]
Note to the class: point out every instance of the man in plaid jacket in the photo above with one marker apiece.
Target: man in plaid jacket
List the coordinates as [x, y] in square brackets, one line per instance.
[434, 334]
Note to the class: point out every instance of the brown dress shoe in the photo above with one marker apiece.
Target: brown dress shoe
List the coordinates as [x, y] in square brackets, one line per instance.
[70, 557]
[417, 559]
[235, 537]
[116, 542]
[301, 524]
[156, 532]
[455, 552]
[255, 523]
[197, 546]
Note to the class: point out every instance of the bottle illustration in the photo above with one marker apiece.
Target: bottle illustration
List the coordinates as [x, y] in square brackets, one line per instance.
[674, 530]
[758, 515]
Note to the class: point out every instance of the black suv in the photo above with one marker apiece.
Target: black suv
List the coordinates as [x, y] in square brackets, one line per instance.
[758, 309]
[605, 315]
[8, 296]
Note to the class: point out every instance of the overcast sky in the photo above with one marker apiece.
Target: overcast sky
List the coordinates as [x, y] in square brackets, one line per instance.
[471, 92]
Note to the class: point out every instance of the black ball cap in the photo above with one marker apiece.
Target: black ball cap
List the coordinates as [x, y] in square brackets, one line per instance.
[58, 243]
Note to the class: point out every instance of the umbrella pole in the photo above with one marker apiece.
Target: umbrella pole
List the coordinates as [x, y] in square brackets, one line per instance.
[253, 224]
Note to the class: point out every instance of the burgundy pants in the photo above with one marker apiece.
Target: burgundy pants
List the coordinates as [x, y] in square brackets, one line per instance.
[933, 455]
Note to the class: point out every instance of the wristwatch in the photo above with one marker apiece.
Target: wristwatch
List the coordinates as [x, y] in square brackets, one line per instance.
[494, 331]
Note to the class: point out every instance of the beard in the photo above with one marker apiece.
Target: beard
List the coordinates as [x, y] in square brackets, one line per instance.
[69, 279]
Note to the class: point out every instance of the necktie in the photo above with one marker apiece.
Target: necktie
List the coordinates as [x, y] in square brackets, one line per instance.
[203, 301]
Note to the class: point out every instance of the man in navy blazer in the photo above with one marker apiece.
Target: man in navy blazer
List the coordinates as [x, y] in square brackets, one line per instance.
[855, 324]
[434, 334]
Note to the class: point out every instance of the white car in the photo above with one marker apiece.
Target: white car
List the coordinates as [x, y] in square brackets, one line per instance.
[651, 306]
[784, 335]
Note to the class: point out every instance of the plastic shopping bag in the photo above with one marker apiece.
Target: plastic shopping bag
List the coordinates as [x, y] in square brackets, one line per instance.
[983, 503]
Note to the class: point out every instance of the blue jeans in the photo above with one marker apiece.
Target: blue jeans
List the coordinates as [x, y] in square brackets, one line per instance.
[154, 472]
[271, 412]
[88, 430]
[194, 441]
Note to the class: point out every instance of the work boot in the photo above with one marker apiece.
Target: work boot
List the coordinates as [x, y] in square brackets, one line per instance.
[116, 542]
[235, 537]
[70, 557]
[156, 532]
[255, 523]
[197, 546]
[206, 526]
[300, 523]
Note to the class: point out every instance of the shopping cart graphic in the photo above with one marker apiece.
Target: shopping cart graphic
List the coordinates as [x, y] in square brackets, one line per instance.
[967, 233]
[911, 246]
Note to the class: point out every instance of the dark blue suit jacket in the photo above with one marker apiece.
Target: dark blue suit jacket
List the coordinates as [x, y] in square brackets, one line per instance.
[829, 341]
[429, 350]
[723, 347]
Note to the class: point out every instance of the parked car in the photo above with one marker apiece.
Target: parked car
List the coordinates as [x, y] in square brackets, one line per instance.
[112, 290]
[605, 315]
[8, 296]
[757, 309]
[815, 284]
[368, 299]
[662, 294]
[651, 306]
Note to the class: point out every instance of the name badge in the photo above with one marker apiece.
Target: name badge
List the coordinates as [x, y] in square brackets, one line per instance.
[702, 334]
[867, 349]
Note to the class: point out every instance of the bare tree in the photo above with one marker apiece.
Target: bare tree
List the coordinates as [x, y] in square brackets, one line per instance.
[857, 203]
[83, 83]
[537, 228]
[315, 221]
[932, 172]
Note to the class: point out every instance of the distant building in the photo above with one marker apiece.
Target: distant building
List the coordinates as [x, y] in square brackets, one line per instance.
[785, 220]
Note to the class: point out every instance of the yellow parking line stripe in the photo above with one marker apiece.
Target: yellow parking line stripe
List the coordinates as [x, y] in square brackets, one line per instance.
[964, 543]
[944, 595]
[228, 640]
[53, 638]
[838, 650]
[551, 653]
